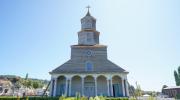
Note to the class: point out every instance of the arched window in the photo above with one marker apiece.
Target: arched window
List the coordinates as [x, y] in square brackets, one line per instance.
[89, 66]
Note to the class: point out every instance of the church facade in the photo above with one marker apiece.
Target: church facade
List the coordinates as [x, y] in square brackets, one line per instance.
[89, 72]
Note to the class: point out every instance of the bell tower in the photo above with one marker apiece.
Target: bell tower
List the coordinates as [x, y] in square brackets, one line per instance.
[88, 34]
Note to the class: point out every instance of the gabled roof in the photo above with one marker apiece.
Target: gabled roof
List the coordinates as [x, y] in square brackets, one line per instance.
[102, 66]
[172, 87]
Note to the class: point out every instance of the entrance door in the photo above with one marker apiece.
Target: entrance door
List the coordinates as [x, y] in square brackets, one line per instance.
[117, 90]
[62, 89]
[89, 89]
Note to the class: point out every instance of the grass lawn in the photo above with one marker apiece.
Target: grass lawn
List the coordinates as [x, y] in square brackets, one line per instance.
[59, 98]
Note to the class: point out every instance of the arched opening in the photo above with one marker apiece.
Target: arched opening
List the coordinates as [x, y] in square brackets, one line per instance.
[61, 86]
[76, 85]
[117, 86]
[102, 86]
[89, 86]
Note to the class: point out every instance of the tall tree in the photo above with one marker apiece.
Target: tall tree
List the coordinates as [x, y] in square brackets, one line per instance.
[177, 76]
[138, 91]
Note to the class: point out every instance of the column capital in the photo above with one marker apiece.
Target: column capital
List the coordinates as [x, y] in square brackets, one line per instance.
[95, 76]
[108, 79]
[69, 78]
[82, 76]
[55, 79]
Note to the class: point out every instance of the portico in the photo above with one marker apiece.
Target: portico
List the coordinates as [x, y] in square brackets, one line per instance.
[89, 85]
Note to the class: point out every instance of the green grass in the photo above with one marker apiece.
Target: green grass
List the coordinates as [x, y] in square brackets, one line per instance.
[59, 98]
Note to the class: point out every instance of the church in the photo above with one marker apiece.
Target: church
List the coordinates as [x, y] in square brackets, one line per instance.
[89, 71]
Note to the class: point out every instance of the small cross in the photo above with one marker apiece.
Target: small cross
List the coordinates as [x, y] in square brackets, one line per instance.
[88, 7]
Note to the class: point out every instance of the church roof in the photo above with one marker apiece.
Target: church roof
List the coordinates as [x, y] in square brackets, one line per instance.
[88, 16]
[74, 66]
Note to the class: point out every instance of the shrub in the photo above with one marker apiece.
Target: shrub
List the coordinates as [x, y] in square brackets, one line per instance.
[102, 98]
[178, 96]
[78, 96]
[62, 97]
[96, 98]
[91, 98]
[84, 98]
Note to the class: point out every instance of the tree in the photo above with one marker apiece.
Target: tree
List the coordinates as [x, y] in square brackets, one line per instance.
[138, 91]
[35, 85]
[17, 85]
[131, 90]
[177, 76]
[29, 83]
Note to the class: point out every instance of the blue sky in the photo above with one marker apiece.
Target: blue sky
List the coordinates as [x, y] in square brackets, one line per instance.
[143, 36]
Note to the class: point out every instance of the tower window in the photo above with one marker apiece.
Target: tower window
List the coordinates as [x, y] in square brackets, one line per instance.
[89, 66]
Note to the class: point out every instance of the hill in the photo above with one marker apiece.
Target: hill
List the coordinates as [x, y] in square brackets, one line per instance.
[18, 81]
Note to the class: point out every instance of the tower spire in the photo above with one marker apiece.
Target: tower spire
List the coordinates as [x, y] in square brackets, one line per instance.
[88, 34]
[88, 14]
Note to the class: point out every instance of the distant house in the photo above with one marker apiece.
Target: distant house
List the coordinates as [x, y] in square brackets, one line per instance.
[4, 86]
[5, 83]
[171, 91]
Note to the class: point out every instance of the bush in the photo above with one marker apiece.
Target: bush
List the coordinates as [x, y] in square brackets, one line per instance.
[78, 96]
[178, 96]
[62, 97]
[96, 98]
[84, 98]
[121, 98]
[91, 98]
[28, 98]
[102, 98]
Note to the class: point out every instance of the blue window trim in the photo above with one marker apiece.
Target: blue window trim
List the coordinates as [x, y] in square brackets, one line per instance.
[89, 66]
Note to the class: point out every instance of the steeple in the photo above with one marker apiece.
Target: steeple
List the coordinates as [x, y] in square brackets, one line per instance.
[88, 34]
[88, 21]
[88, 14]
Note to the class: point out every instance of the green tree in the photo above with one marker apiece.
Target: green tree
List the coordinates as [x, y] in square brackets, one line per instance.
[17, 85]
[29, 83]
[35, 85]
[138, 91]
[177, 76]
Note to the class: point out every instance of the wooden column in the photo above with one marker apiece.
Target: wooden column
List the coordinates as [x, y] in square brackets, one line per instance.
[123, 87]
[55, 86]
[112, 94]
[82, 83]
[108, 87]
[66, 91]
[70, 87]
[127, 88]
[95, 79]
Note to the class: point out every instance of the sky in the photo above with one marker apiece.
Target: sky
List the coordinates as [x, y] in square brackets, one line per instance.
[142, 36]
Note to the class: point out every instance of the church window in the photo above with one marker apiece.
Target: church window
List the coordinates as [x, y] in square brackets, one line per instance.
[89, 66]
[89, 37]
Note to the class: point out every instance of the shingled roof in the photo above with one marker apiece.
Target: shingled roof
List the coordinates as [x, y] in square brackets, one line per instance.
[103, 66]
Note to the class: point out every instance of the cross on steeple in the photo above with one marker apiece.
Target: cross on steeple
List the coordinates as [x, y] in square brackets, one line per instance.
[88, 7]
